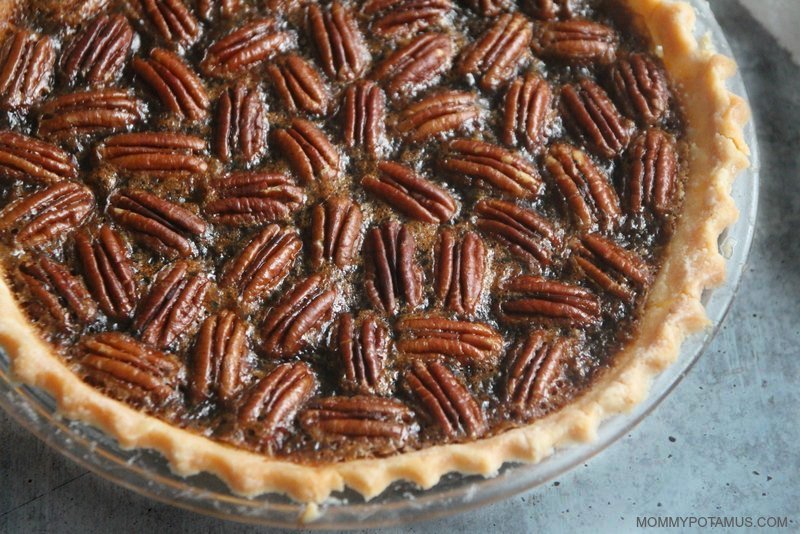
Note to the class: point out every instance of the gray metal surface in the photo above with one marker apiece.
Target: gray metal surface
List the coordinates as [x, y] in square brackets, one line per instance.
[725, 443]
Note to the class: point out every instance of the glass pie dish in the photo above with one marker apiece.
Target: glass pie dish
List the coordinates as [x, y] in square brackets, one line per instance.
[148, 473]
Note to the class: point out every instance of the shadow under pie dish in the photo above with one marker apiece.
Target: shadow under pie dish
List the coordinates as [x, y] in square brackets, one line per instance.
[301, 267]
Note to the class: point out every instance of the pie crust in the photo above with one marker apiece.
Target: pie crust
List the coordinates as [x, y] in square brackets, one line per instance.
[692, 263]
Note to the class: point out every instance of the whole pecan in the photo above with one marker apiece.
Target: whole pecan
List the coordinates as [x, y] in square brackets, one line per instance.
[299, 85]
[491, 165]
[362, 346]
[308, 151]
[364, 110]
[429, 336]
[437, 114]
[271, 405]
[403, 17]
[263, 263]
[358, 417]
[494, 57]
[31, 160]
[56, 292]
[218, 358]
[129, 370]
[489, 8]
[533, 370]
[241, 124]
[459, 271]
[89, 113]
[640, 88]
[651, 178]
[391, 269]
[244, 48]
[155, 153]
[109, 272]
[409, 193]
[298, 318]
[576, 41]
[98, 52]
[527, 113]
[177, 86]
[547, 9]
[157, 223]
[588, 194]
[209, 9]
[48, 214]
[173, 305]
[613, 268]
[416, 65]
[591, 114]
[26, 67]
[335, 232]
[445, 399]
[537, 300]
[172, 20]
[339, 43]
[252, 198]
[528, 235]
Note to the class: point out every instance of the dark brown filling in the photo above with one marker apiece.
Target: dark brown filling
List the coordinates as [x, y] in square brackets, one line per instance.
[334, 231]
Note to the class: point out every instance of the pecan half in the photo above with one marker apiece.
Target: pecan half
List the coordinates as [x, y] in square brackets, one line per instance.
[436, 115]
[108, 270]
[588, 194]
[445, 399]
[416, 65]
[533, 299]
[56, 292]
[409, 193]
[362, 346]
[404, 17]
[31, 160]
[155, 153]
[244, 48]
[391, 269]
[241, 124]
[157, 223]
[429, 336]
[171, 19]
[176, 85]
[48, 214]
[252, 198]
[591, 114]
[576, 41]
[98, 53]
[339, 43]
[89, 113]
[528, 235]
[528, 112]
[491, 165]
[533, 372]
[614, 269]
[298, 318]
[489, 8]
[364, 110]
[129, 370]
[218, 358]
[640, 88]
[26, 67]
[494, 57]
[308, 151]
[364, 417]
[335, 232]
[547, 9]
[299, 85]
[173, 305]
[263, 264]
[272, 404]
[459, 271]
[651, 180]
[209, 9]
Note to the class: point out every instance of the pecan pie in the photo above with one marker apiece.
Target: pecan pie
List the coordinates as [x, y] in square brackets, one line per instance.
[307, 245]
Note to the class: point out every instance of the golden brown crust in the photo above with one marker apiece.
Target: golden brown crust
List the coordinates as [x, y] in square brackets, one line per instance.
[673, 310]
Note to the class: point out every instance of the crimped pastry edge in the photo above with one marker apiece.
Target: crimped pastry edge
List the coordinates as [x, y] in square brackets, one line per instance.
[715, 119]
